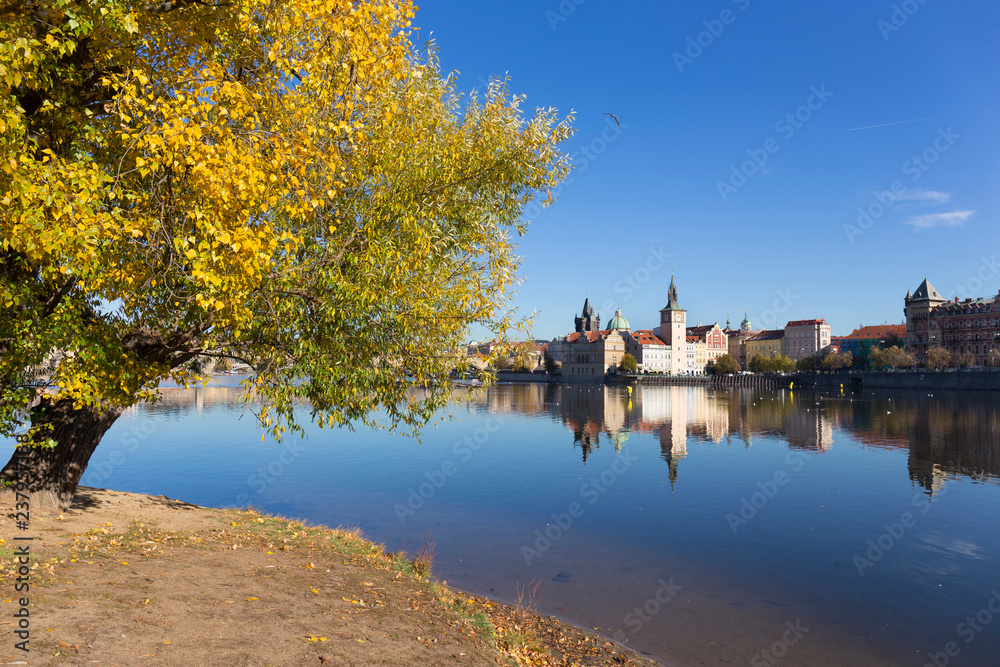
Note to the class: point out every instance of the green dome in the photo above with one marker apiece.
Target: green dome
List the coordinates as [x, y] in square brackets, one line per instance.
[619, 322]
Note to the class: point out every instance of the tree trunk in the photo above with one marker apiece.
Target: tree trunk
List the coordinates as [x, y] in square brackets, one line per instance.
[54, 473]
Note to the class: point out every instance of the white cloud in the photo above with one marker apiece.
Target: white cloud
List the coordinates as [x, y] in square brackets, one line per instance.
[953, 219]
[924, 196]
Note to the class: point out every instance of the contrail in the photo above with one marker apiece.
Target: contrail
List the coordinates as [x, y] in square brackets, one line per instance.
[898, 122]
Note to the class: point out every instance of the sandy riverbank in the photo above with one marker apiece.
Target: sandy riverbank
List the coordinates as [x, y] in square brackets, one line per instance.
[131, 579]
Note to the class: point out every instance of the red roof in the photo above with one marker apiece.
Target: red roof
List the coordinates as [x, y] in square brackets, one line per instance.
[646, 337]
[804, 323]
[877, 331]
[591, 336]
[777, 334]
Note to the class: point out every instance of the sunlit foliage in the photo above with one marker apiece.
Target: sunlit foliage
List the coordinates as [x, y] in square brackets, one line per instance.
[290, 184]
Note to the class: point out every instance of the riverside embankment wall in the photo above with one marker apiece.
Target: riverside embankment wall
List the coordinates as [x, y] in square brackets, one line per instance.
[976, 380]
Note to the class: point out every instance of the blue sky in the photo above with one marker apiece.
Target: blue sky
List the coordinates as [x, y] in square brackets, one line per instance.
[739, 154]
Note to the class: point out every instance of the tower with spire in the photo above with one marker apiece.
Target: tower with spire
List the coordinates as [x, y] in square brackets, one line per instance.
[588, 321]
[673, 330]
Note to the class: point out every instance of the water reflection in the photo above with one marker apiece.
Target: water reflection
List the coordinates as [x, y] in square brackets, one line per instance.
[946, 434]
[949, 434]
[698, 454]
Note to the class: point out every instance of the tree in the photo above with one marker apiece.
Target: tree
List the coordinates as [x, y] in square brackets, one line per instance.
[806, 363]
[784, 364]
[938, 358]
[290, 185]
[551, 365]
[830, 362]
[965, 359]
[628, 364]
[835, 361]
[761, 364]
[893, 357]
[726, 364]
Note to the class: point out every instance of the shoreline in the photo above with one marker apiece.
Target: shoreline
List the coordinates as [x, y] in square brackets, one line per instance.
[124, 574]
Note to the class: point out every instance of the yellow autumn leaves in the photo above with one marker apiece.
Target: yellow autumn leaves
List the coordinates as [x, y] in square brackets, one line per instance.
[291, 184]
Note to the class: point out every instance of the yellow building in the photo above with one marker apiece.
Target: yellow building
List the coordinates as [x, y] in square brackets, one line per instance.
[701, 355]
[768, 344]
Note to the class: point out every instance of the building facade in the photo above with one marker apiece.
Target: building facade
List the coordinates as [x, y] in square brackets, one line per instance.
[651, 354]
[804, 338]
[715, 340]
[860, 341]
[673, 329]
[960, 326]
[589, 355]
[768, 344]
[737, 339]
[691, 356]
[917, 309]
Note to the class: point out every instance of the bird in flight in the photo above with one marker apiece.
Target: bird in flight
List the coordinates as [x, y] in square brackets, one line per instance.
[614, 118]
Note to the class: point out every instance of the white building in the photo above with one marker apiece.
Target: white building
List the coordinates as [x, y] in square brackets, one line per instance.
[692, 356]
[651, 354]
[806, 337]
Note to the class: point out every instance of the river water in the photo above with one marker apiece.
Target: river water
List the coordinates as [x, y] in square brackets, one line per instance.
[698, 526]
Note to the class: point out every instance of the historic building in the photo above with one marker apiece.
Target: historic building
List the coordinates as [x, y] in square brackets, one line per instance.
[714, 339]
[737, 339]
[917, 308]
[959, 326]
[697, 355]
[590, 352]
[589, 355]
[673, 329]
[618, 322]
[651, 354]
[587, 321]
[804, 338]
[766, 344]
[691, 355]
[860, 341]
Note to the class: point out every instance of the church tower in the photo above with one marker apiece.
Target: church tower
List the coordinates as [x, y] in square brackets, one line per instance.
[588, 321]
[673, 330]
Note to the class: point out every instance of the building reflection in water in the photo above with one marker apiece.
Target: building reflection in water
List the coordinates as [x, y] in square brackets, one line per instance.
[945, 434]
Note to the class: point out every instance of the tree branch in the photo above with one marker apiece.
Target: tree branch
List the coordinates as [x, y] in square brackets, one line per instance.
[11, 7]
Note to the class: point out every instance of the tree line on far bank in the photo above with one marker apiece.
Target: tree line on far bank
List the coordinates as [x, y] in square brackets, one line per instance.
[876, 359]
